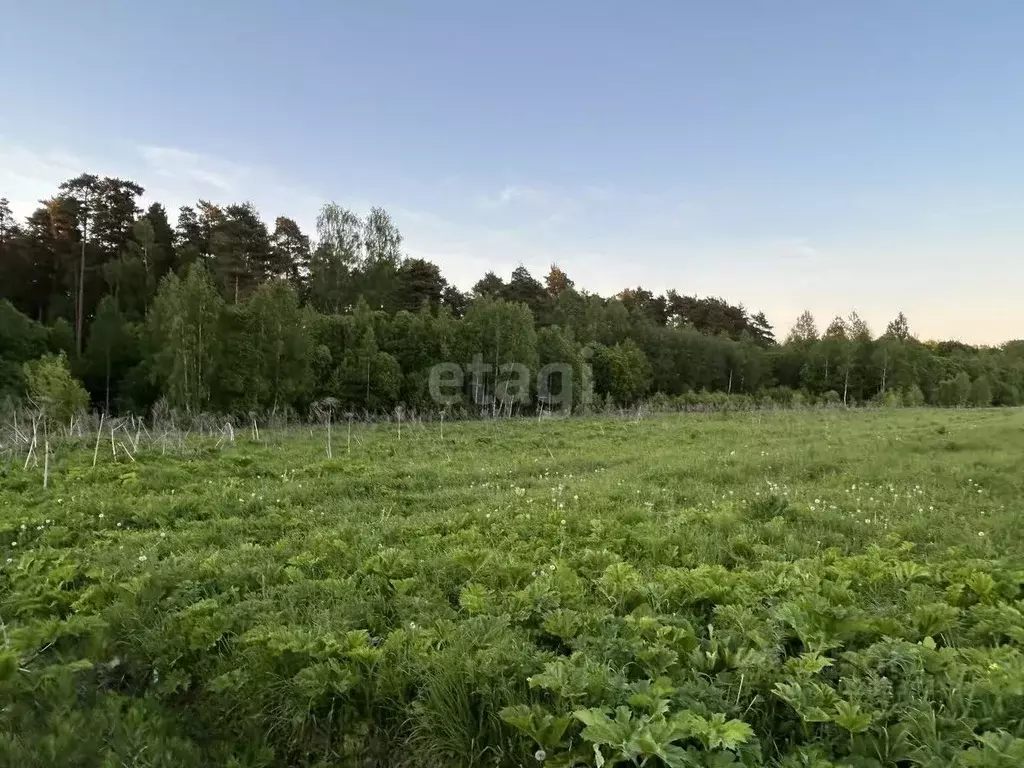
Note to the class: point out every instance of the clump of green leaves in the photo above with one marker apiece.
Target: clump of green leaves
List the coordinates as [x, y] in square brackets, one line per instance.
[623, 600]
[52, 387]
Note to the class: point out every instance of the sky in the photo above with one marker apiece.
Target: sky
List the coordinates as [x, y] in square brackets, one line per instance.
[788, 155]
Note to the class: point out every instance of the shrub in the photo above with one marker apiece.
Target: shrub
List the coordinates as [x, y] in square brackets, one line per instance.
[981, 392]
[913, 397]
[52, 387]
[831, 397]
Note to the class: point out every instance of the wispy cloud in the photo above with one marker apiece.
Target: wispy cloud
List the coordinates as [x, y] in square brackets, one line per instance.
[798, 248]
[26, 177]
[170, 175]
[170, 162]
[525, 197]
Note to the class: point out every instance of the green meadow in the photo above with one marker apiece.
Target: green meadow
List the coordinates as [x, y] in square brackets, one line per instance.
[813, 588]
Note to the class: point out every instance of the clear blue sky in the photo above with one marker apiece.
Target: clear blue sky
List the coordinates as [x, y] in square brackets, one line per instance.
[787, 155]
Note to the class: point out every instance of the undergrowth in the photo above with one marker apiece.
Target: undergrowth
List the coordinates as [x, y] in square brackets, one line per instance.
[758, 589]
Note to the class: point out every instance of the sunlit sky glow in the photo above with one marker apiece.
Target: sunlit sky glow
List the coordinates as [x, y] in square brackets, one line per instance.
[800, 155]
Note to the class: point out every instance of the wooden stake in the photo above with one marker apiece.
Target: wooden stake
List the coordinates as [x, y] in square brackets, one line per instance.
[32, 446]
[99, 432]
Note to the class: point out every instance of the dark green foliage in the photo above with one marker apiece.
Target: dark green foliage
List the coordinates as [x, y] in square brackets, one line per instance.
[622, 372]
[166, 333]
[21, 340]
[981, 392]
[110, 351]
[419, 283]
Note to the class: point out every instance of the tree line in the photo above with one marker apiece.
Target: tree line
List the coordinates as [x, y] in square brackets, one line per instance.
[104, 303]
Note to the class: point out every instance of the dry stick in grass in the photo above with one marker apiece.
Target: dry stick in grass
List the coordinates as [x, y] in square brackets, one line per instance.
[348, 447]
[17, 432]
[99, 432]
[125, 449]
[32, 445]
[46, 457]
[329, 454]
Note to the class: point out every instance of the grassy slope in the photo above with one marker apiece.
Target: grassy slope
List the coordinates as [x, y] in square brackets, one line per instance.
[456, 556]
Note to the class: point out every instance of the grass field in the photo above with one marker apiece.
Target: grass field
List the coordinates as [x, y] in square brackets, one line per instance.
[812, 589]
